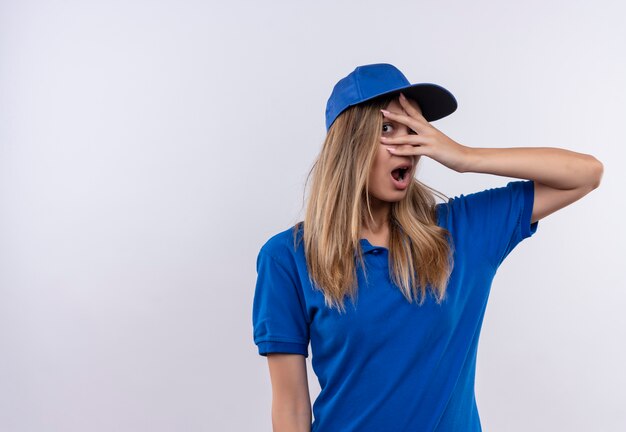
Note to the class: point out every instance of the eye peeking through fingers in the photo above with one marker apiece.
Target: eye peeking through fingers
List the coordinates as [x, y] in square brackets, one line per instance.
[387, 127]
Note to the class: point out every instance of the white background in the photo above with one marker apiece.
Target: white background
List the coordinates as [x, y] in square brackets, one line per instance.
[149, 148]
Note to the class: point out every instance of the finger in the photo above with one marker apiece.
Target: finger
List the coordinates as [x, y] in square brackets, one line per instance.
[411, 122]
[411, 107]
[406, 150]
[404, 139]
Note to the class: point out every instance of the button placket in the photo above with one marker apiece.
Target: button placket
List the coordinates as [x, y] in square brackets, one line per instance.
[377, 259]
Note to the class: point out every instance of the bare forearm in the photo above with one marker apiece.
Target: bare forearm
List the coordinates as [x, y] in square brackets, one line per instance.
[288, 420]
[554, 167]
[291, 402]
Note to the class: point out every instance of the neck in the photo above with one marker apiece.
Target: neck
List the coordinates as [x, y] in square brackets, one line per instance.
[376, 230]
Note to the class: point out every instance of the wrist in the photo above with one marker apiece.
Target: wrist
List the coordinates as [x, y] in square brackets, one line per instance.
[470, 156]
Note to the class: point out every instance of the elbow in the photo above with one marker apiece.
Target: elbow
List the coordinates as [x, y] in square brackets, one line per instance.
[597, 172]
[290, 420]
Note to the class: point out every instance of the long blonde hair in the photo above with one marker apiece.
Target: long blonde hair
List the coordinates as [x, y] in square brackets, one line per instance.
[419, 252]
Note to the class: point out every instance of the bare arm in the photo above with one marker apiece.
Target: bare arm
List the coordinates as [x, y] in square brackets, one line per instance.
[560, 176]
[291, 402]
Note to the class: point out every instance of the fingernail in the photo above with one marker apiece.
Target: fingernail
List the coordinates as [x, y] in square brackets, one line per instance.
[384, 111]
[391, 149]
[402, 95]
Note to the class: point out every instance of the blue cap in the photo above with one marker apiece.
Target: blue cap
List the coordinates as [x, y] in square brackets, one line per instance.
[369, 81]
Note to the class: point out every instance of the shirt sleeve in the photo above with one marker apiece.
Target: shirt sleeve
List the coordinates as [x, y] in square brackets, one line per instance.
[498, 218]
[278, 315]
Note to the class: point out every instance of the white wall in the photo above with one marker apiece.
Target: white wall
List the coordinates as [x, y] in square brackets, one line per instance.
[149, 148]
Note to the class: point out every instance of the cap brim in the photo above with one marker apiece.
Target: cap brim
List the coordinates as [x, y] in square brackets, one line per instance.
[435, 101]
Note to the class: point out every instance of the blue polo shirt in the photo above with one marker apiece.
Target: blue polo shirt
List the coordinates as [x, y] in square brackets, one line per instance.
[387, 364]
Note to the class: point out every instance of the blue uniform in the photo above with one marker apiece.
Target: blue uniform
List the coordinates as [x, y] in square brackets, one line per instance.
[387, 364]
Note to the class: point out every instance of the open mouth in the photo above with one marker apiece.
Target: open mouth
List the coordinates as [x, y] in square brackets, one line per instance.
[400, 173]
[401, 176]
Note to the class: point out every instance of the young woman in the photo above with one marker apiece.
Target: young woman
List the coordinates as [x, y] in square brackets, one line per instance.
[388, 286]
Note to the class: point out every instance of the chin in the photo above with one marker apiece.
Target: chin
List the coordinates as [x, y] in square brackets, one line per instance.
[391, 198]
[397, 198]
